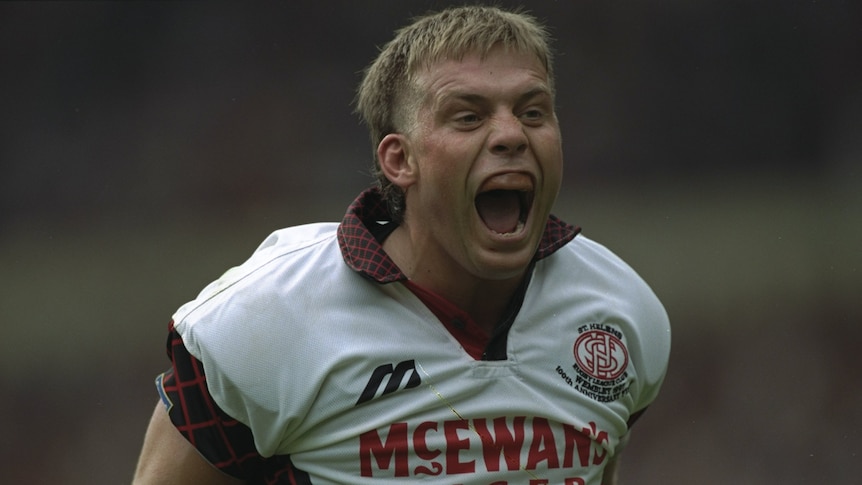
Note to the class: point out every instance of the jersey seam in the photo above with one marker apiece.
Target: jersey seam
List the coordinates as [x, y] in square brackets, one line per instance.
[271, 260]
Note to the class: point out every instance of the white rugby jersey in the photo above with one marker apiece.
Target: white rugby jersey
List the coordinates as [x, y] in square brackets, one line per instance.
[359, 382]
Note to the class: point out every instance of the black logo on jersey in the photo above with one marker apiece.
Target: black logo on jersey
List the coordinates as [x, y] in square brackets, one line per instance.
[395, 376]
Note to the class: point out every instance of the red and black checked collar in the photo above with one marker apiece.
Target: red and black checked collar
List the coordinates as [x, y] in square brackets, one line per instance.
[368, 215]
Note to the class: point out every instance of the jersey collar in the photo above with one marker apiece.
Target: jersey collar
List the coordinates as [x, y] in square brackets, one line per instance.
[367, 223]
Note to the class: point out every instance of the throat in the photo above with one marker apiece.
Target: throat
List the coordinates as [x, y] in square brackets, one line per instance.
[482, 329]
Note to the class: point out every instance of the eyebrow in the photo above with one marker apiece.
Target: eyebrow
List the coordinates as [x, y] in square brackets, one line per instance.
[473, 98]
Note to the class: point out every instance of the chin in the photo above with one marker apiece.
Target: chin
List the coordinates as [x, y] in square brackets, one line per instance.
[503, 265]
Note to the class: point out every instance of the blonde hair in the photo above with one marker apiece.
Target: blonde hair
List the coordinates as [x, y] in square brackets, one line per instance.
[387, 98]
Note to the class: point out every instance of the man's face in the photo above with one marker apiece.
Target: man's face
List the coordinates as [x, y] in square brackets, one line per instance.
[488, 162]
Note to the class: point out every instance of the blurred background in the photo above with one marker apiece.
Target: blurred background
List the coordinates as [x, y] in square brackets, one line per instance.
[716, 145]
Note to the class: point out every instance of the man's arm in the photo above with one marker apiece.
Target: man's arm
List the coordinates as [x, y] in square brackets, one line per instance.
[167, 458]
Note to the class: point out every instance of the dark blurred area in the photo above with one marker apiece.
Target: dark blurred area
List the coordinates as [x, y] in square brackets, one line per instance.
[716, 145]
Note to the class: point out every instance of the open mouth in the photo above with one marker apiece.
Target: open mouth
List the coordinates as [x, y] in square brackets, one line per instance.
[504, 211]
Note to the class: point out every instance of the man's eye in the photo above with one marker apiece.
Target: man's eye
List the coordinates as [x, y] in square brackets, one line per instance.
[533, 114]
[469, 118]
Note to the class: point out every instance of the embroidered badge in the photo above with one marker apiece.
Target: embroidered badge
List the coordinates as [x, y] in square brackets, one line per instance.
[601, 363]
[601, 354]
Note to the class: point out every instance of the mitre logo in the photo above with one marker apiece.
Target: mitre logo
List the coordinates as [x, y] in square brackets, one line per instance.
[601, 363]
[394, 377]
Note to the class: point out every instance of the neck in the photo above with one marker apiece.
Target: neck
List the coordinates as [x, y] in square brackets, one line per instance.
[486, 301]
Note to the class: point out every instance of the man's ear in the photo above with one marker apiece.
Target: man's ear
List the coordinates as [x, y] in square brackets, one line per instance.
[393, 153]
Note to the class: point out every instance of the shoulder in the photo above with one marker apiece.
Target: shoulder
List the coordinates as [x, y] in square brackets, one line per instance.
[253, 293]
[598, 271]
[594, 285]
[294, 246]
[587, 252]
[591, 265]
[257, 313]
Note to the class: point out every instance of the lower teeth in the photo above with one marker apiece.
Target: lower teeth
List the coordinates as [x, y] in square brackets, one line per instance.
[515, 231]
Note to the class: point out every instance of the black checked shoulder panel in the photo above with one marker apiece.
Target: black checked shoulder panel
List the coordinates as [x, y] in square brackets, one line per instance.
[225, 442]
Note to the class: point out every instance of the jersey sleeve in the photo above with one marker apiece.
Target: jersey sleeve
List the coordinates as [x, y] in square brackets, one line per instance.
[220, 439]
[653, 342]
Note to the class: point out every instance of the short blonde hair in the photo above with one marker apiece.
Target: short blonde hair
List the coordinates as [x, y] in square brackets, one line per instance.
[386, 98]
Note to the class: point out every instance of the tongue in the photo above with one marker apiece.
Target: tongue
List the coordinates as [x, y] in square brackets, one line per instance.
[500, 210]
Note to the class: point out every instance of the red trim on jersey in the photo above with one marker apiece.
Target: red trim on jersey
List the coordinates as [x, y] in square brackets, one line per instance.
[471, 336]
[360, 236]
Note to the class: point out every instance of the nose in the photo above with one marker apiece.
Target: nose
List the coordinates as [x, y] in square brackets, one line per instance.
[507, 136]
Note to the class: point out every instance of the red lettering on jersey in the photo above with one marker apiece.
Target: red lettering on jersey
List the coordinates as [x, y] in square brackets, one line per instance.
[407, 451]
[396, 446]
[503, 442]
[543, 447]
[422, 451]
[575, 440]
[454, 445]
[599, 437]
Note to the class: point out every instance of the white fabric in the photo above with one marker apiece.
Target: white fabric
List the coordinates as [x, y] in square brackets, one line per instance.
[289, 341]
